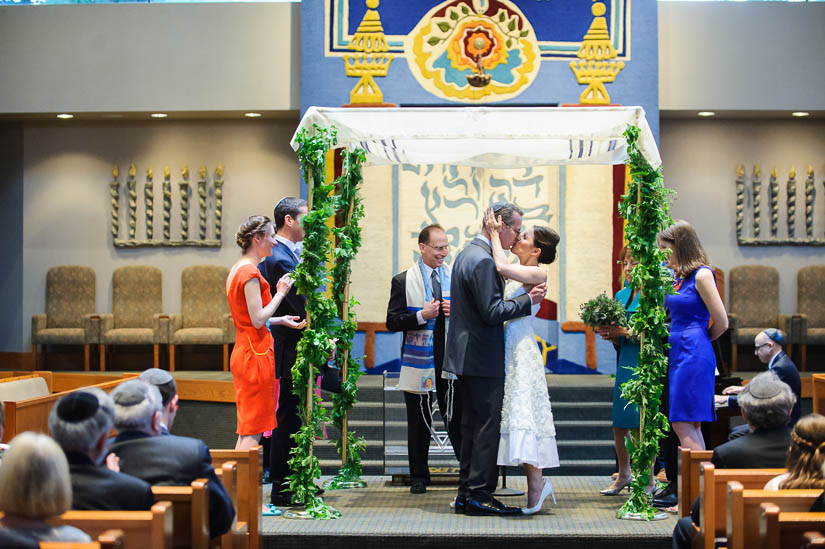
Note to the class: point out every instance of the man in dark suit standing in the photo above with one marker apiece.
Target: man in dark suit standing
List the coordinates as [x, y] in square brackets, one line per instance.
[164, 460]
[768, 348]
[475, 353]
[285, 257]
[420, 308]
[80, 423]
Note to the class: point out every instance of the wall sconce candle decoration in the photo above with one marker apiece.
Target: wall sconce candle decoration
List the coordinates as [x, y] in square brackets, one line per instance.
[149, 201]
[775, 239]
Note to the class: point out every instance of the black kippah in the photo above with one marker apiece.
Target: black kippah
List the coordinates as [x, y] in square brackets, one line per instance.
[77, 406]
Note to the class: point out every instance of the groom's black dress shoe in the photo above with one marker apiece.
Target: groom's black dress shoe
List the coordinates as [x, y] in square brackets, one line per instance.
[666, 500]
[491, 507]
[460, 504]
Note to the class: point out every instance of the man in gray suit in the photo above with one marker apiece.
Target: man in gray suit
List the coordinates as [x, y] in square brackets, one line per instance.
[475, 353]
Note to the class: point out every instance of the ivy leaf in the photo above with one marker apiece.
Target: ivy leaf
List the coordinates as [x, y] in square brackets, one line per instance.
[509, 42]
[512, 25]
[524, 33]
[453, 15]
[501, 16]
[444, 26]
[464, 9]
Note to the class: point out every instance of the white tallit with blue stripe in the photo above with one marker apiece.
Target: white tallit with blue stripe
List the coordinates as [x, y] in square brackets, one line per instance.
[417, 360]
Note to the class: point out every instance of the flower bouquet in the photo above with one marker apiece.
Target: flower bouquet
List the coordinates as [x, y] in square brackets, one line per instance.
[603, 310]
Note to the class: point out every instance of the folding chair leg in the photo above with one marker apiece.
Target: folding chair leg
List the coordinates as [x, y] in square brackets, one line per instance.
[102, 357]
[225, 357]
[733, 350]
[171, 358]
[156, 352]
[86, 357]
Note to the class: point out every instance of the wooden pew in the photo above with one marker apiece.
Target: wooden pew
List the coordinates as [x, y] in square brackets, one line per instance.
[688, 482]
[110, 539]
[818, 393]
[48, 377]
[33, 414]
[744, 510]
[786, 530]
[141, 529]
[191, 512]
[250, 492]
[237, 537]
[713, 493]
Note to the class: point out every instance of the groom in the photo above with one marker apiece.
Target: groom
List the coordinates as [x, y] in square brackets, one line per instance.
[475, 353]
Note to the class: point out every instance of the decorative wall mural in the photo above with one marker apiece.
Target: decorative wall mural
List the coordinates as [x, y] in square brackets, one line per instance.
[473, 51]
[813, 235]
[204, 238]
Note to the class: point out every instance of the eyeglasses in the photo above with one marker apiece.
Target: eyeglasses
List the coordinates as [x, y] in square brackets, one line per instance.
[756, 350]
[438, 248]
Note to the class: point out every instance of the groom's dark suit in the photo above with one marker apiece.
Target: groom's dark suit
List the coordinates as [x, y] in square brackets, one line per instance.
[475, 353]
[285, 340]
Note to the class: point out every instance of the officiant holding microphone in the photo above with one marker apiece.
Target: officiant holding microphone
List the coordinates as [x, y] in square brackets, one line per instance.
[419, 307]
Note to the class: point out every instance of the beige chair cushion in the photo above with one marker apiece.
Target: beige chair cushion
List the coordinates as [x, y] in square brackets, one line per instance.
[203, 296]
[754, 295]
[810, 295]
[198, 336]
[137, 295]
[23, 389]
[129, 336]
[816, 336]
[70, 294]
[61, 336]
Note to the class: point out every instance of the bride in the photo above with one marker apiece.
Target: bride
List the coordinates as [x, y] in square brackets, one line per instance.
[528, 436]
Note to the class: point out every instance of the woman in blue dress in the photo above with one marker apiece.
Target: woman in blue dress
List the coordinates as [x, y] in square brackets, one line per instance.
[692, 366]
[625, 414]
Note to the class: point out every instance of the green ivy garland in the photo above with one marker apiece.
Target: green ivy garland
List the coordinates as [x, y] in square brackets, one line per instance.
[646, 207]
[347, 232]
[315, 344]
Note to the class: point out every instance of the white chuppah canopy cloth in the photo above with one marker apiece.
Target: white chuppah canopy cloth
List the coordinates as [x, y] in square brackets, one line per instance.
[487, 137]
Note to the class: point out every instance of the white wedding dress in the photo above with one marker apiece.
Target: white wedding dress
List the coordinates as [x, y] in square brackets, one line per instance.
[527, 431]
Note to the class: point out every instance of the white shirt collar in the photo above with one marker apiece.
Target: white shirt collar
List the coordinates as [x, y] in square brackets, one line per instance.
[293, 246]
[484, 239]
[773, 359]
[428, 271]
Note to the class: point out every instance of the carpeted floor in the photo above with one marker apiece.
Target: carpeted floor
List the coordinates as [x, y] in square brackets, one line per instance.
[388, 515]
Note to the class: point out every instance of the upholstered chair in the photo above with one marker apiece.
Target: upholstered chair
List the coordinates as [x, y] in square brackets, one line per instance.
[754, 305]
[70, 317]
[810, 306]
[136, 319]
[204, 317]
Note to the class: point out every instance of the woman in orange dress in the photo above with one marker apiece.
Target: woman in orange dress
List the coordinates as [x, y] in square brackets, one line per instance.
[253, 362]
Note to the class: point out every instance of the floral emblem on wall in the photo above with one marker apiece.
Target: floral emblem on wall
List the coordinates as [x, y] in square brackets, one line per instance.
[474, 51]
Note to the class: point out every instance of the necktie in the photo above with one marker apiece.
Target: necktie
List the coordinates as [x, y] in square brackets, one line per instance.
[436, 285]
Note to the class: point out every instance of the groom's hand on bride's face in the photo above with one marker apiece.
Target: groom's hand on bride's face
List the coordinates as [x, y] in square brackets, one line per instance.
[430, 309]
[537, 293]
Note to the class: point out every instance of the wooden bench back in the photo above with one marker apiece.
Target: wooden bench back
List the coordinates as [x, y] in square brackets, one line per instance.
[713, 494]
[818, 393]
[786, 530]
[813, 539]
[48, 377]
[141, 529]
[688, 483]
[237, 536]
[250, 492]
[110, 539]
[33, 414]
[744, 510]
[191, 512]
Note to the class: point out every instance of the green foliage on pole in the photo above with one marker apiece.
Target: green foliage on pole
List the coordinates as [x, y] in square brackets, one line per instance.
[646, 207]
[315, 345]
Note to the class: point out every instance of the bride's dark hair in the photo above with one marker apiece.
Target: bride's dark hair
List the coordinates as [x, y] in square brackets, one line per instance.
[546, 240]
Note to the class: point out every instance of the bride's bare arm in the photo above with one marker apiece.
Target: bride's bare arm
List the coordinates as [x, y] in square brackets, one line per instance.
[521, 273]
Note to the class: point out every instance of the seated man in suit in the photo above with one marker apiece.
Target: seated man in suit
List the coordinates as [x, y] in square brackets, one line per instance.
[766, 403]
[165, 383]
[164, 460]
[768, 347]
[80, 423]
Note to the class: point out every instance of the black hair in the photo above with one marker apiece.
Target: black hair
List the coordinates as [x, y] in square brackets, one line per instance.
[287, 206]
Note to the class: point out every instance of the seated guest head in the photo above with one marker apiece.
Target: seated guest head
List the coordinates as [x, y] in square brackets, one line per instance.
[806, 454]
[165, 383]
[138, 407]
[34, 478]
[80, 422]
[768, 343]
[766, 402]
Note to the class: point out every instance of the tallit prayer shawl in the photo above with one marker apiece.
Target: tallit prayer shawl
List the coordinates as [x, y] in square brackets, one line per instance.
[418, 361]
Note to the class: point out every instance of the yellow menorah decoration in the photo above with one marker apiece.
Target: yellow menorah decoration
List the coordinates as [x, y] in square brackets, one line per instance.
[372, 59]
[594, 67]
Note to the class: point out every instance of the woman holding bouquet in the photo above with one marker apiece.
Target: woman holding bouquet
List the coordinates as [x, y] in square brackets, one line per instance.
[625, 413]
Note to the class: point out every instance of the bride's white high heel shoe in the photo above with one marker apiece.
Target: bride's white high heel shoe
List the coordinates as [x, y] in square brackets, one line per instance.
[547, 490]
